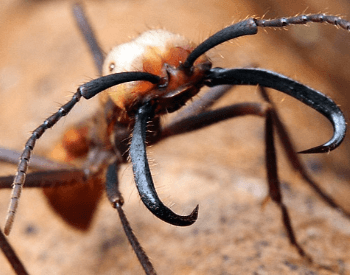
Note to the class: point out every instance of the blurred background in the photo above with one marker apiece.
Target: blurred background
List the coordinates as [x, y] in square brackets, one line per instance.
[43, 59]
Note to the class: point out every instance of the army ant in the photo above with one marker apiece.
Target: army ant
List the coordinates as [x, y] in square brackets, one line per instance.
[143, 80]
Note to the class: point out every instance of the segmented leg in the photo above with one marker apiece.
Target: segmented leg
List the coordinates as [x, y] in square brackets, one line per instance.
[11, 256]
[115, 197]
[211, 117]
[89, 36]
[36, 162]
[49, 178]
[274, 182]
[295, 161]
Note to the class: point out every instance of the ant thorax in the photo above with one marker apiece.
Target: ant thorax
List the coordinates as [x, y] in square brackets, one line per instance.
[161, 53]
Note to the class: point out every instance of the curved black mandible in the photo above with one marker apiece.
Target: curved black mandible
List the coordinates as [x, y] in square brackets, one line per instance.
[143, 177]
[316, 100]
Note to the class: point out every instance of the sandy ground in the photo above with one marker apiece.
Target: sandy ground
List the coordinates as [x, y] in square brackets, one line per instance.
[43, 59]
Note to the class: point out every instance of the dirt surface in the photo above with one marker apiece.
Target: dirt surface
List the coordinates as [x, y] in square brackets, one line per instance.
[43, 59]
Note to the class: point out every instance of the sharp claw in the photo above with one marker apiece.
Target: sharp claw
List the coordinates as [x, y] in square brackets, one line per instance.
[143, 177]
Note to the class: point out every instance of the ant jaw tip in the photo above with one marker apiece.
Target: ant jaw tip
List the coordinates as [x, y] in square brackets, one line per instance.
[194, 214]
[185, 220]
[317, 150]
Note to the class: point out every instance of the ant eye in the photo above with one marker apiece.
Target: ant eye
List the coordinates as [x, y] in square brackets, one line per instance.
[111, 67]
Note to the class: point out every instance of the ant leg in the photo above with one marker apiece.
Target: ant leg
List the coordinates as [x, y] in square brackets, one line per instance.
[115, 197]
[210, 117]
[274, 182]
[36, 162]
[89, 36]
[295, 161]
[76, 195]
[11, 256]
[50, 178]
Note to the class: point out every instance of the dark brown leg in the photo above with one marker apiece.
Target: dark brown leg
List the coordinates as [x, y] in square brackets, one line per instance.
[294, 159]
[51, 178]
[211, 117]
[207, 118]
[272, 119]
[274, 182]
[11, 256]
[89, 36]
[115, 197]
[36, 162]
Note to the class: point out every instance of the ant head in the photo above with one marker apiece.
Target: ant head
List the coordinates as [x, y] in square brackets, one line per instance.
[161, 53]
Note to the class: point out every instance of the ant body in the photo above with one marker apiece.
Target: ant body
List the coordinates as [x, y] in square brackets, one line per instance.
[138, 111]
